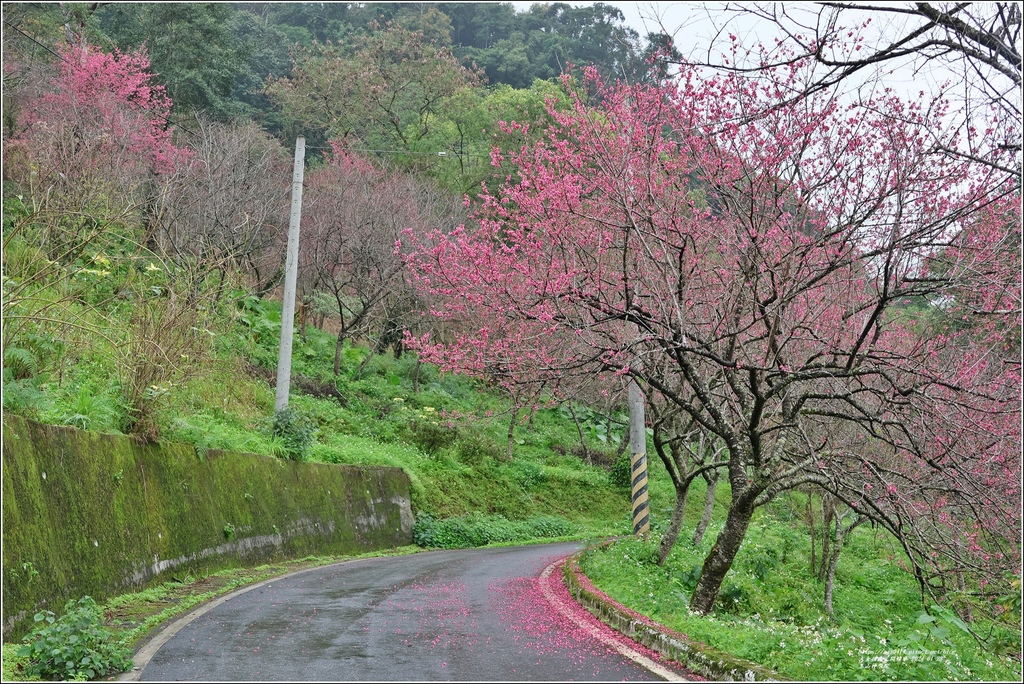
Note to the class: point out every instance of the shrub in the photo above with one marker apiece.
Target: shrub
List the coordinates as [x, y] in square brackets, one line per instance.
[91, 411]
[620, 474]
[480, 529]
[474, 446]
[20, 362]
[74, 646]
[429, 436]
[295, 432]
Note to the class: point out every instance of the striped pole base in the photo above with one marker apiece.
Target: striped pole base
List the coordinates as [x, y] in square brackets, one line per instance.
[641, 508]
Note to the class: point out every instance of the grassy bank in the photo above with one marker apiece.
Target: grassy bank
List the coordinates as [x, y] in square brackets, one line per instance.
[771, 608]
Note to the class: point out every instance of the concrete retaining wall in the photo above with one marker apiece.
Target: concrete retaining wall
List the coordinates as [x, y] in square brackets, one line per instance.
[93, 514]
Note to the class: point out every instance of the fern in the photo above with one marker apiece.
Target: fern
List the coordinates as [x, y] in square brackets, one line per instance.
[21, 363]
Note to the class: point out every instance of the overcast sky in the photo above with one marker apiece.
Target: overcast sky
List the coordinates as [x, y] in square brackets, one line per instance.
[694, 26]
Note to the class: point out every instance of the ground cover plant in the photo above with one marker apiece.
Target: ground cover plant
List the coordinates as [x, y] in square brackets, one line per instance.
[771, 610]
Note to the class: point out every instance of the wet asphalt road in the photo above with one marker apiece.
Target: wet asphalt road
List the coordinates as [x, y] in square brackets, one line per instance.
[473, 615]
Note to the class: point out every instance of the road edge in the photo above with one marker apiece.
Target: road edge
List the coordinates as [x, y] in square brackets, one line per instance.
[692, 655]
[625, 651]
[162, 634]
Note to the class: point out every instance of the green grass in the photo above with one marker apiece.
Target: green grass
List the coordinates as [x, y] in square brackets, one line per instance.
[771, 608]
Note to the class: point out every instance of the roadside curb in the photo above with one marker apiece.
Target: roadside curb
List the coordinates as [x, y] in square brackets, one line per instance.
[694, 656]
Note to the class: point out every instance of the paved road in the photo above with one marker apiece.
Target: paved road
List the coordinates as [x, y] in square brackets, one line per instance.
[480, 614]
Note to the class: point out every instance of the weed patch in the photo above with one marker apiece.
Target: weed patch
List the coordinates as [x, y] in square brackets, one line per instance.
[73, 646]
[480, 530]
[770, 610]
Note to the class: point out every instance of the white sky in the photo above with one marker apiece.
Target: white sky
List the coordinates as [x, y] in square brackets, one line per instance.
[695, 25]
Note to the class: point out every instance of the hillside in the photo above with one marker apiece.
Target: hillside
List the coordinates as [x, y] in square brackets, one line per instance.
[507, 219]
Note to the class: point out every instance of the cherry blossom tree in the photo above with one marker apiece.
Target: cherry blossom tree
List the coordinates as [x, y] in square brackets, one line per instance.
[96, 133]
[90, 133]
[745, 254]
[226, 208]
[353, 216]
[971, 51]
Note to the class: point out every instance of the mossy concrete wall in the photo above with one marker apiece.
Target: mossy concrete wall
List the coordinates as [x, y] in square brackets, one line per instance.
[93, 514]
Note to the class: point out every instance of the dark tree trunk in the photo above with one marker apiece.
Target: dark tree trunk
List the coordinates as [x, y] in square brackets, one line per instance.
[337, 354]
[359, 371]
[722, 555]
[623, 444]
[837, 547]
[512, 433]
[826, 538]
[709, 507]
[668, 540]
[579, 431]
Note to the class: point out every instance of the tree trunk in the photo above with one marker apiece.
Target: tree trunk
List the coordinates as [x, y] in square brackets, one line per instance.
[826, 523]
[833, 561]
[709, 508]
[220, 287]
[579, 431]
[416, 377]
[337, 355]
[668, 540]
[511, 433]
[722, 555]
[623, 445]
[810, 524]
[359, 371]
[837, 546]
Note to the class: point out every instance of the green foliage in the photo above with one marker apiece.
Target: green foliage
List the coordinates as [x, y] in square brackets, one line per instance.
[21, 384]
[474, 446]
[429, 435]
[481, 529]
[191, 47]
[255, 317]
[23, 397]
[770, 609]
[21, 363]
[74, 646]
[229, 531]
[620, 474]
[92, 411]
[295, 431]
[527, 475]
[28, 569]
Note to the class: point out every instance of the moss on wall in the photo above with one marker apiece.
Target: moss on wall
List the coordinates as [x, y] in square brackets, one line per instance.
[93, 514]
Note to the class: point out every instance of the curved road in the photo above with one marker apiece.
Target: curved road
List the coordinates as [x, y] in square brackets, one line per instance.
[474, 615]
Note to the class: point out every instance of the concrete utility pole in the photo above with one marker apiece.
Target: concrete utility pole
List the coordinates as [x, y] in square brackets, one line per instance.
[284, 356]
[638, 460]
